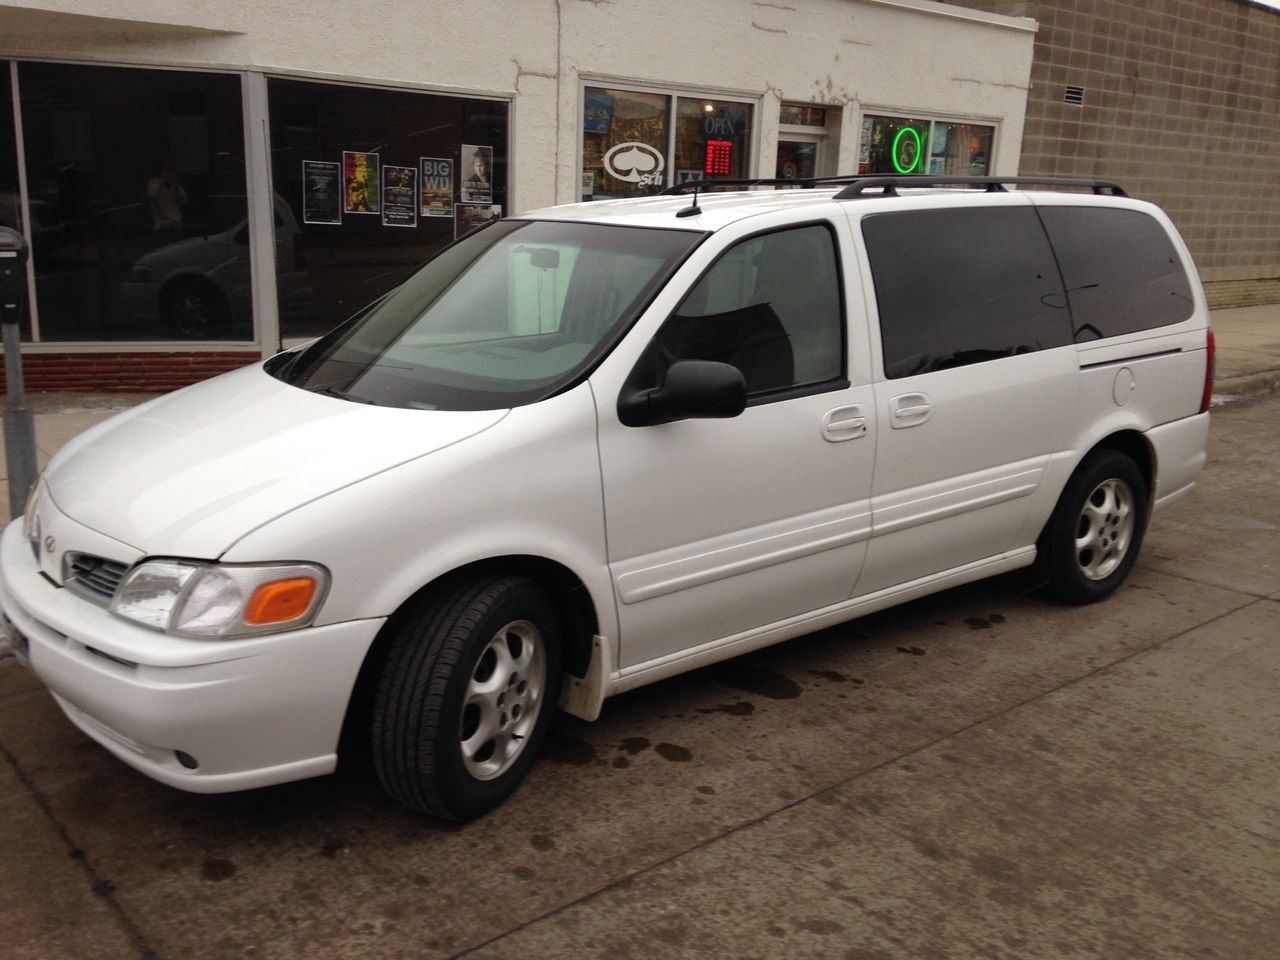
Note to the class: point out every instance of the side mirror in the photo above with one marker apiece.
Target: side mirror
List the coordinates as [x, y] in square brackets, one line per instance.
[691, 390]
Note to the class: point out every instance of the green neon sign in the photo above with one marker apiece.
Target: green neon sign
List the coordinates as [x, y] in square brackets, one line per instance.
[915, 160]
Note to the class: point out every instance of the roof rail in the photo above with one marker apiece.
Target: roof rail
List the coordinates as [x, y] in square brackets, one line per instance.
[888, 185]
[694, 186]
[807, 183]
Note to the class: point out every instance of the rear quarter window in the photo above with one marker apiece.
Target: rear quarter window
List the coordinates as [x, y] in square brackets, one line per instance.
[1121, 271]
[962, 286]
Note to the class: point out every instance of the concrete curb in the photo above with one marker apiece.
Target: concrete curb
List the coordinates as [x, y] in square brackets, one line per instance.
[1248, 387]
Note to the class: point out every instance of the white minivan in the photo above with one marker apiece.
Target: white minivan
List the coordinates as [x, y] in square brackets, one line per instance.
[597, 445]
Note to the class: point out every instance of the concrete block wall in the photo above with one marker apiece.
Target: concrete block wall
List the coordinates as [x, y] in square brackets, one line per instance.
[1181, 100]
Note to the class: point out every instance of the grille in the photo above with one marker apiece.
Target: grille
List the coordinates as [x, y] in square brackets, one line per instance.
[1073, 94]
[94, 578]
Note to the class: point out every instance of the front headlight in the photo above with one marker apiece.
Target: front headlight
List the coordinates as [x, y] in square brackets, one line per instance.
[29, 511]
[188, 598]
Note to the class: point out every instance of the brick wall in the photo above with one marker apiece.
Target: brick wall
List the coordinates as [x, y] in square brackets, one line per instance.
[120, 372]
[1181, 107]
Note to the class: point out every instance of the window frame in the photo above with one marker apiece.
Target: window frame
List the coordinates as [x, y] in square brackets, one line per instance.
[673, 92]
[266, 339]
[637, 379]
[933, 118]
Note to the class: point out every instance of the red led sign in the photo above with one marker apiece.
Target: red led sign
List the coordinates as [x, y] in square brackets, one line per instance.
[719, 157]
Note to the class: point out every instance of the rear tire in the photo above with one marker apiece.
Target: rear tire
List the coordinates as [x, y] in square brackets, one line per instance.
[466, 695]
[1092, 540]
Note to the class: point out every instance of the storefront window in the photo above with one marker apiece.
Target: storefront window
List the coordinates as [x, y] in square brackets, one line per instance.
[902, 145]
[370, 184]
[136, 182]
[802, 115]
[624, 143]
[628, 147]
[711, 139]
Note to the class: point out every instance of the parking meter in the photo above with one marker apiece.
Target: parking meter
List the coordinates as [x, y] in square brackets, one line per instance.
[13, 273]
[19, 428]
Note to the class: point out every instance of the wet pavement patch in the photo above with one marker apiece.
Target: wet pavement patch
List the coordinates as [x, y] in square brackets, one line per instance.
[835, 676]
[569, 750]
[739, 708]
[674, 752]
[763, 683]
[985, 623]
[217, 870]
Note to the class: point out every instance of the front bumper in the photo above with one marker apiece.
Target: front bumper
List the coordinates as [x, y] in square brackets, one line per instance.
[250, 712]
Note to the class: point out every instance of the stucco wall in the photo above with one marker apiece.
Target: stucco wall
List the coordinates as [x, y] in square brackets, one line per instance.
[899, 55]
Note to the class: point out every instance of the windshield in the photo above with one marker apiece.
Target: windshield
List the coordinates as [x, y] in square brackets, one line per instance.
[506, 316]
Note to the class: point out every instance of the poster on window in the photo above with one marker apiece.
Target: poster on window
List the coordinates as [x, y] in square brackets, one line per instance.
[597, 113]
[477, 174]
[469, 216]
[437, 186]
[360, 179]
[399, 196]
[321, 192]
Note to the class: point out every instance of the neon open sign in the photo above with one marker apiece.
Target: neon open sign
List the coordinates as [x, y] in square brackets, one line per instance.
[907, 149]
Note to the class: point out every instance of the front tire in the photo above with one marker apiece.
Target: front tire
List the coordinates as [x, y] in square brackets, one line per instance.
[1092, 540]
[466, 695]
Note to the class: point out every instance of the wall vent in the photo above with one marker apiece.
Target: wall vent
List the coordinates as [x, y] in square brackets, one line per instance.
[1074, 94]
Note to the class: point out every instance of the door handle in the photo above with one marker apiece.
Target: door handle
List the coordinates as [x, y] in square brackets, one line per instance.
[844, 423]
[909, 410]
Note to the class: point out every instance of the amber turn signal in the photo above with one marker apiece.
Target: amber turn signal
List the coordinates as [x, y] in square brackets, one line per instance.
[280, 601]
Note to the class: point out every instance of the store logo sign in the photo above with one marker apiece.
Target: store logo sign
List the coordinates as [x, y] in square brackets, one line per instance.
[635, 162]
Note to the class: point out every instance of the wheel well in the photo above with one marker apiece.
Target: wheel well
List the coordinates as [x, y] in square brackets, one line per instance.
[572, 600]
[1135, 446]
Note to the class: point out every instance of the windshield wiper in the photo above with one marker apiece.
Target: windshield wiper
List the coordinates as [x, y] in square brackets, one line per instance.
[330, 391]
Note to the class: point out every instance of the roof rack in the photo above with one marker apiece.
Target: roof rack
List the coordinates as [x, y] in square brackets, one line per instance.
[858, 185]
[807, 183]
[888, 186]
[696, 186]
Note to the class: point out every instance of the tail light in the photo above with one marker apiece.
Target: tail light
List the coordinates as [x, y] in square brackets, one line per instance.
[1210, 351]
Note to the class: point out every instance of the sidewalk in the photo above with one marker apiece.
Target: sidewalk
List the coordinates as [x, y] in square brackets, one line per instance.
[1248, 342]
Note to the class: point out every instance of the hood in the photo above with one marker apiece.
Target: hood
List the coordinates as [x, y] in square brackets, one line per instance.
[190, 473]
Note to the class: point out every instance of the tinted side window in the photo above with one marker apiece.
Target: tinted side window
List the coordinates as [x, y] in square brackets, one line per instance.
[1121, 271]
[956, 287]
[771, 307]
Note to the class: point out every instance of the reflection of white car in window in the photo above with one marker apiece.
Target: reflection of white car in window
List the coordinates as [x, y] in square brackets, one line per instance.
[202, 286]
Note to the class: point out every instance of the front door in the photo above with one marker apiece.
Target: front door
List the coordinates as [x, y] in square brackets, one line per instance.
[719, 528]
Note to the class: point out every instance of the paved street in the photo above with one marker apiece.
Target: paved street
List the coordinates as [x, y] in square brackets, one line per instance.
[983, 773]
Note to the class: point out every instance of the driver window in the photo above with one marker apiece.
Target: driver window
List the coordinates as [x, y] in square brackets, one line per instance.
[770, 306]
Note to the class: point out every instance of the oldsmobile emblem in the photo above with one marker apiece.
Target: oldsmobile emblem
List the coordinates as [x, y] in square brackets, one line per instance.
[49, 544]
